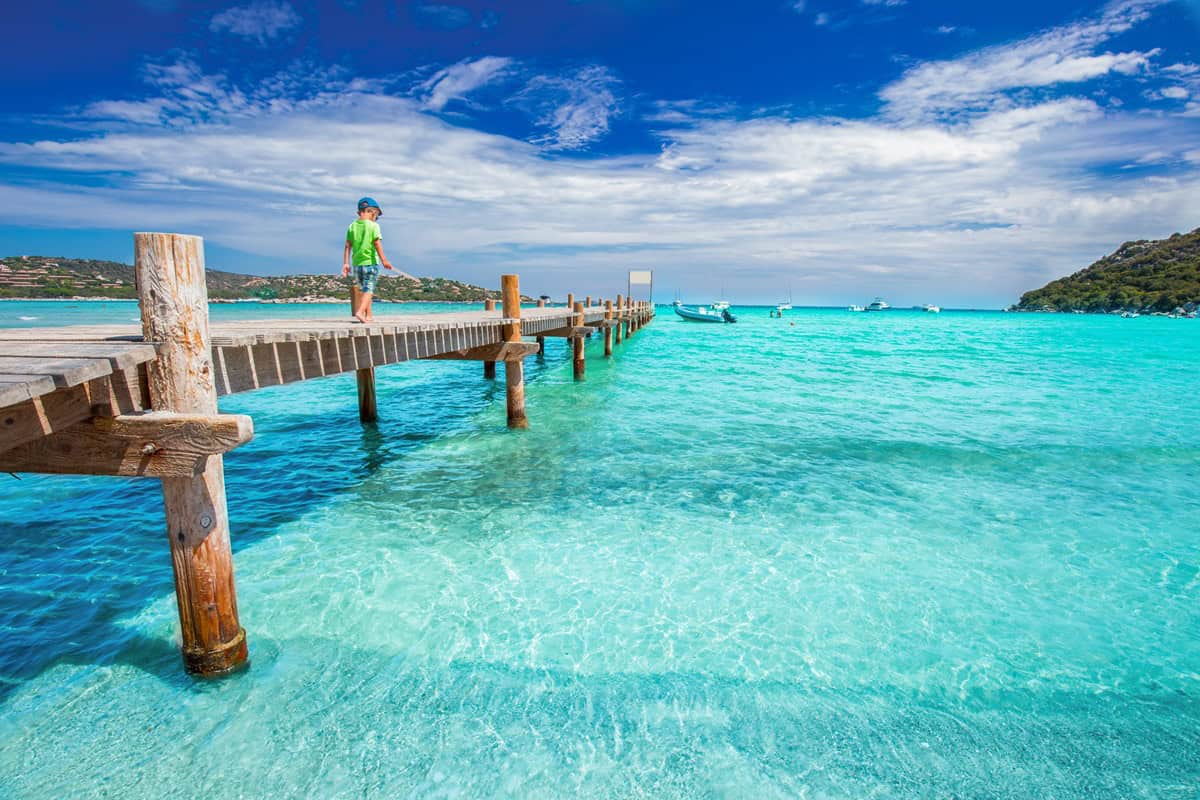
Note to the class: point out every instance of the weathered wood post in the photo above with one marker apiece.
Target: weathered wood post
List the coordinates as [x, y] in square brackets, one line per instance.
[587, 301]
[367, 410]
[541, 340]
[514, 370]
[570, 301]
[608, 333]
[169, 273]
[618, 333]
[489, 367]
[578, 342]
[365, 376]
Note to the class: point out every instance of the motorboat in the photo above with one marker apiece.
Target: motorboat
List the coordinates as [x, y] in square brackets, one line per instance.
[702, 314]
[931, 308]
[878, 304]
[856, 308]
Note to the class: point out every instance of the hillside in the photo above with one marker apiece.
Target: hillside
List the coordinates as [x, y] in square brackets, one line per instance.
[1140, 276]
[47, 277]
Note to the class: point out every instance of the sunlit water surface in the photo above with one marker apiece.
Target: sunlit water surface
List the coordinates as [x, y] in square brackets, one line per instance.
[835, 555]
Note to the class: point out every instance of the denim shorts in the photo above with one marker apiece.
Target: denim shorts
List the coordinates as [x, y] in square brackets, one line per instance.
[366, 275]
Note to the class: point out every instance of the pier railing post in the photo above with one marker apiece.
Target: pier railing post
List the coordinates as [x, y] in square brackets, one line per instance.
[541, 340]
[608, 334]
[578, 342]
[514, 370]
[169, 273]
[489, 367]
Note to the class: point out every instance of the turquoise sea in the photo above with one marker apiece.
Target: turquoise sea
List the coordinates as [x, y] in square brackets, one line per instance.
[831, 556]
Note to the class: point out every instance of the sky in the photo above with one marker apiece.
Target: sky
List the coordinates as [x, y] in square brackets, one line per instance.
[829, 151]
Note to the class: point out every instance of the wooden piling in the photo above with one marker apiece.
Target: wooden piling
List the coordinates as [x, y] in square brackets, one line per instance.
[570, 300]
[514, 371]
[169, 273]
[368, 410]
[578, 342]
[587, 301]
[489, 367]
[608, 331]
[617, 334]
[365, 377]
[541, 340]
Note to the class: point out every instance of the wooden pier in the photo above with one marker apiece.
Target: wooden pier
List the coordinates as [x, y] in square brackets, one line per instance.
[116, 400]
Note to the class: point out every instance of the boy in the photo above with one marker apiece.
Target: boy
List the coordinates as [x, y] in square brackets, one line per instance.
[364, 246]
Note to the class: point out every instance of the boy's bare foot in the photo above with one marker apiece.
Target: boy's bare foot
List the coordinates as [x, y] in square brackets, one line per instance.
[358, 318]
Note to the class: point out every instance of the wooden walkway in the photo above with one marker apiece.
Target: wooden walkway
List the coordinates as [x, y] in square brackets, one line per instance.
[116, 400]
[254, 354]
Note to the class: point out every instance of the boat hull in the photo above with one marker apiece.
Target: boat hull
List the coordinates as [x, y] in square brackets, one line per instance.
[697, 316]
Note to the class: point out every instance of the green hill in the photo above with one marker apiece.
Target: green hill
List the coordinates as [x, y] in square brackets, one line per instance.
[47, 277]
[1140, 276]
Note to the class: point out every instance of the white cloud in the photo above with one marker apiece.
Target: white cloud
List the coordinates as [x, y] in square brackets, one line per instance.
[261, 20]
[974, 210]
[576, 108]
[979, 81]
[459, 80]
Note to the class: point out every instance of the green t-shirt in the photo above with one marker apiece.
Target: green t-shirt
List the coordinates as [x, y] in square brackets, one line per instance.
[362, 235]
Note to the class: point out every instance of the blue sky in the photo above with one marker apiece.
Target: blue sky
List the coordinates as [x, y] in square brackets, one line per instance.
[946, 152]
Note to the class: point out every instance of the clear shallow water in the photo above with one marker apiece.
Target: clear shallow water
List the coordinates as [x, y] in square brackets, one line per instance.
[892, 555]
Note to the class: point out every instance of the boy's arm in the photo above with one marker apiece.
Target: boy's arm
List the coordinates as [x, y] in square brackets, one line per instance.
[382, 258]
[346, 259]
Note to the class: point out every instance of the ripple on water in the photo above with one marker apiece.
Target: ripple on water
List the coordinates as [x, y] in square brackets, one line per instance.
[893, 555]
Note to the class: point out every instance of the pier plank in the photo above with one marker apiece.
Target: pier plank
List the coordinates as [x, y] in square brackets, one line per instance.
[41, 416]
[121, 355]
[18, 388]
[65, 372]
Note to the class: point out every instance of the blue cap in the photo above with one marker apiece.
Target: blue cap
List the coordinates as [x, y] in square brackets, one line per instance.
[369, 202]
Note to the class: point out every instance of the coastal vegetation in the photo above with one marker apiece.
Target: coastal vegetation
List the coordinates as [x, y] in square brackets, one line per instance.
[44, 277]
[1143, 276]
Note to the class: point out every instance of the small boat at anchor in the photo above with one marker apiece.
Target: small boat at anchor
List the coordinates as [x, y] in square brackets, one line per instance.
[856, 308]
[702, 314]
[878, 304]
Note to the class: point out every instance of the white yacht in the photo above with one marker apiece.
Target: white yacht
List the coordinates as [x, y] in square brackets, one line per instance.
[856, 308]
[878, 304]
[931, 308]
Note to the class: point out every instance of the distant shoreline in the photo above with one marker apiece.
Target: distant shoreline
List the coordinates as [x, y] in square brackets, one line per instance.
[220, 301]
